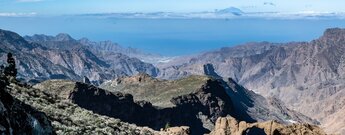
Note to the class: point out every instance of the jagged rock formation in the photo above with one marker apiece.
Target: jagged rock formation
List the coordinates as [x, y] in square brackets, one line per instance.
[86, 80]
[248, 105]
[209, 102]
[62, 57]
[307, 76]
[256, 106]
[17, 117]
[209, 71]
[245, 104]
[230, 126]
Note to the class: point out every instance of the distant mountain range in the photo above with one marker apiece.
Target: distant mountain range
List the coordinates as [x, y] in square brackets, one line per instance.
[43, 57]
[307, 77]
[64, 41]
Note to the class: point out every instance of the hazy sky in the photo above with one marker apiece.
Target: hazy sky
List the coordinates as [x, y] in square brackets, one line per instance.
[57, 7]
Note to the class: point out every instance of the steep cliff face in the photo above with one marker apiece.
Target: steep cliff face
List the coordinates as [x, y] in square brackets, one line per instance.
[17, 117]
[306, 76]
[194, 110]
[62, 57]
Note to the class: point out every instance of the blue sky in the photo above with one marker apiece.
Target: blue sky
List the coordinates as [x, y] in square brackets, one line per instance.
[58, 7]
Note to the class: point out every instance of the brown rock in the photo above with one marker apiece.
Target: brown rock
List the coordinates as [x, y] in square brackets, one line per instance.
[230, 126]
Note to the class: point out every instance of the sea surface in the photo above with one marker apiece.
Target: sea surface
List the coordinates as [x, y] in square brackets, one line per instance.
[173, 37]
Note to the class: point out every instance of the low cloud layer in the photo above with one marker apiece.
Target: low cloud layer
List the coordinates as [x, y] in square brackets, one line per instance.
[4, 14]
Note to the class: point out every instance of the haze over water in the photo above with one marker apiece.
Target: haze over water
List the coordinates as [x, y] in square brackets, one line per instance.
[173, 37]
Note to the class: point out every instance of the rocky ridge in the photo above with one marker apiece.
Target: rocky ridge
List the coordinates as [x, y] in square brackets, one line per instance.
[248, 105]
[301, 74]
[208, 102]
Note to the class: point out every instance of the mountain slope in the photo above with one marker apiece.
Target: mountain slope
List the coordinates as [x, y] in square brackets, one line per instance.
[108, 47]
[62, 57]
[301, 74]
[198, 110]
[248, 106]
[65, 42]
[68, 118]
[17, 117]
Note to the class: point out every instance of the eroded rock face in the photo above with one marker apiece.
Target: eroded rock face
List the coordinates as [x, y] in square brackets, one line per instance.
[230, 126]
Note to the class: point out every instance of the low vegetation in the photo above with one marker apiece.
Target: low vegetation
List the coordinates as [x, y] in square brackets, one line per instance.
[157, 92]
[68, 118]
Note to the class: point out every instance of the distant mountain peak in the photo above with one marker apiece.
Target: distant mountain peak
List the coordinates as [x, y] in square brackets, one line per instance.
[333, 34]
[13, 40]
[4, 34]
[63, 37]
[45, 38]
[230, 10]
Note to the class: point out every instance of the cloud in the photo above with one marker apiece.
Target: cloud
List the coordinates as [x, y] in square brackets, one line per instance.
[269, 4]
[12, 14]
[23, 1]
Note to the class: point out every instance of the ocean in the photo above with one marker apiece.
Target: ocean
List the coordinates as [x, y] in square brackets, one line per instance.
[172, 37]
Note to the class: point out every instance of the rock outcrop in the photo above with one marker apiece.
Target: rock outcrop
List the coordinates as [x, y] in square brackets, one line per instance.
[230, 126]
[210, 71]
